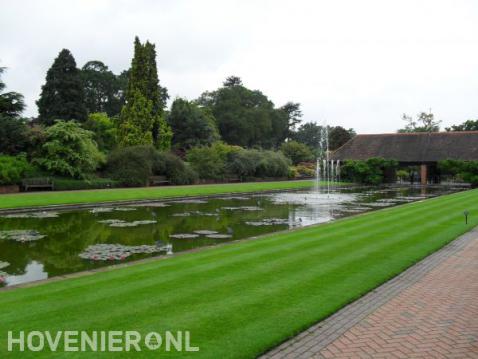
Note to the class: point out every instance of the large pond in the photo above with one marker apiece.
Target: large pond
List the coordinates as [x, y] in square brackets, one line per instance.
[39, 245]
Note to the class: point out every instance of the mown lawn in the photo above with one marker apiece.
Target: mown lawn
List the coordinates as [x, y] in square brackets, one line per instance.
[142, 193]
[241, 299]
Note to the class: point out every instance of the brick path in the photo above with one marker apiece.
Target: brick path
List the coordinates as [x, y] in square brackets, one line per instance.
[428, 311]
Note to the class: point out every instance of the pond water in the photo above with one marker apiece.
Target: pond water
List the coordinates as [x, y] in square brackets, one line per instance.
[40, 244]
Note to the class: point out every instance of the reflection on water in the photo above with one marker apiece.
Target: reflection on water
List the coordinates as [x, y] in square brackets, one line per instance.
[145, 230]
[33, 271]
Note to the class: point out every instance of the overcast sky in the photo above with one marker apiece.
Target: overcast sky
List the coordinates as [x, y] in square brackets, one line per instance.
[358, 64]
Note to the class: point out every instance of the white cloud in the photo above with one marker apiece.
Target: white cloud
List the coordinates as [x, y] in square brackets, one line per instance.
[359, 64]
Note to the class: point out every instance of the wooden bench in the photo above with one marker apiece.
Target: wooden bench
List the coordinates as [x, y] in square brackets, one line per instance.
[38, 183]
[158, 180]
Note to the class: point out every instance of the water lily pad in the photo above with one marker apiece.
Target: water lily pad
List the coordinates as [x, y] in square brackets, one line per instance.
[182, 214]
[205, 232]
[111, 221]
[243, 208]
[208, 214]
[235, 198]
[184, 235]
[152, 204]
[120, 223]
[109, 252]
[219, 236]
[21, 236]
[4, 264]
[146, 221]
[102, 210]
[43, 214]
[273, 222]
[191, 201]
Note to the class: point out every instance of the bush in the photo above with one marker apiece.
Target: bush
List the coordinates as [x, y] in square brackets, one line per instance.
[371, 171]
[175, 170]
[403, 175]
[305, 170]
[253, 163]
[467, 170]
[70, 151]
[12, 169]
[243, 163]
[272, 164]
[207, 162]
[132, 166]
[297, 152]
[104, 129]
[67, 184]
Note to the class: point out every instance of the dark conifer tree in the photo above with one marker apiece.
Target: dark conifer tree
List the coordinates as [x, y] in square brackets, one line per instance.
[62, 96]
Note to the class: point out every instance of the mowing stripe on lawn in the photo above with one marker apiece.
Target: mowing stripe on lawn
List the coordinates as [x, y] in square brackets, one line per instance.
[241, 299]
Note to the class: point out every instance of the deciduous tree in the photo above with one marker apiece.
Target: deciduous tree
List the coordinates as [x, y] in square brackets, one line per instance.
[191, 124]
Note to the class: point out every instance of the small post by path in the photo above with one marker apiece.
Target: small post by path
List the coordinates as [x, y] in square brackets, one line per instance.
[466, 216]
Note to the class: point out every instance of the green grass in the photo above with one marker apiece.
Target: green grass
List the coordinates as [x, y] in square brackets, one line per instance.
[241, 299]
[143, 193]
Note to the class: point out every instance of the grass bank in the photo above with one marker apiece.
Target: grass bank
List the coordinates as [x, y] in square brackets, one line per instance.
[241, 299]
[143, 193]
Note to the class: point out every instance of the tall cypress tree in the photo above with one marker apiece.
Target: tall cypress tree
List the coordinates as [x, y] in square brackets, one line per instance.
[143, 82]
[62, 96]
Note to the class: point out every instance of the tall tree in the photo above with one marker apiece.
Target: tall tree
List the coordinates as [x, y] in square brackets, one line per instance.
[14, 134]
[309, 133]
[136, 121]
[191, 124]
[62, 96]
[104, 91]
[143, 83]
[11, 103]
[294, 116]
[469, 125]
[425, 122]
[245, 117]
[338, 136]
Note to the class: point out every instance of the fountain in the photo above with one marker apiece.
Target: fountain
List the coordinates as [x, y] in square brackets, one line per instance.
[327, 170]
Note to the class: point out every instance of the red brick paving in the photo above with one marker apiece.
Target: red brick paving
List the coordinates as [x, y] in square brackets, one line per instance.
[433, 316]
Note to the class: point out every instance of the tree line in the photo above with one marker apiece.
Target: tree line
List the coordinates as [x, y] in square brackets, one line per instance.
[89, 118]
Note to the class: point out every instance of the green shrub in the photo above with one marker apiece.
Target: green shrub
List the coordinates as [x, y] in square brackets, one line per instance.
[70, 151]
[403, 174]
[254, 163]
[175, 170]
[243, 163]
[207, 162]
[272, 164]
[297, 152]
[132, 166]
[104, 129]
[67, 184]
[12, 169]
[371, 171]
[304, 170]
[466, 170]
